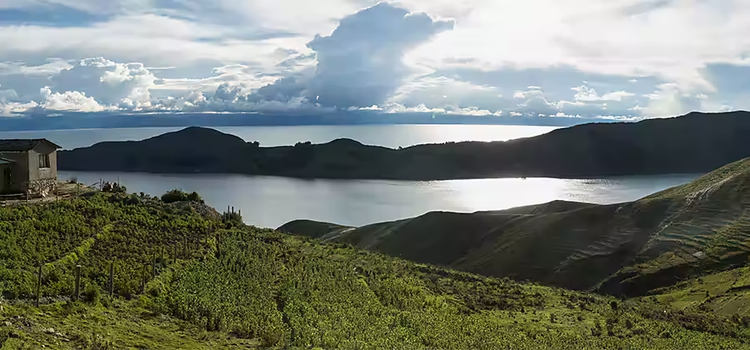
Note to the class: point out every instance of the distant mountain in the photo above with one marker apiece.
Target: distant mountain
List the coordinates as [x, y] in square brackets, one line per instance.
[624, 249]
[695, 143]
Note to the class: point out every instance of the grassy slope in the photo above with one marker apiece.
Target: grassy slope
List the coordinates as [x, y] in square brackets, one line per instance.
[118, 325]
[705, 229]
[622, 249]
[725, 293]
[246, 287]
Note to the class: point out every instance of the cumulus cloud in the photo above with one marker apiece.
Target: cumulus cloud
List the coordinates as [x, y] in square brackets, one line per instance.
[68, 101]
[361, 62]
[585, 93]
[107, 82]
[670, 100]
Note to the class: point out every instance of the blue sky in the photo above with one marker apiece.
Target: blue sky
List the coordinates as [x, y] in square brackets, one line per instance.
[613, 59]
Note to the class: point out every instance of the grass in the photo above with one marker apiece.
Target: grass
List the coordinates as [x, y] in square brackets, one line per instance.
[726, 293]
[291, 291]
[119, 325]
[211, 282]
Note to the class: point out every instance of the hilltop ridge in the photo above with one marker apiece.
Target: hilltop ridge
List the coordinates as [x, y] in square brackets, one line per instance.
[694, 143]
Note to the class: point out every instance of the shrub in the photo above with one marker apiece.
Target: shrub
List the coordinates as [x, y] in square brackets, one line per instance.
[174, 196]
[195, 197]
[177, 195]
[232, 219]
[91, 293]
[117, 188]
[114, 188]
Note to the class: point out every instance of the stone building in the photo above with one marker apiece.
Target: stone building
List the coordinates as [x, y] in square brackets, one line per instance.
[28, 166]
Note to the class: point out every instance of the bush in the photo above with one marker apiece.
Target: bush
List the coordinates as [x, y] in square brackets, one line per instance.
[195, 197]
[174, 196]
[232, 219]
[91, 293]
[177, 195]
[114, 188]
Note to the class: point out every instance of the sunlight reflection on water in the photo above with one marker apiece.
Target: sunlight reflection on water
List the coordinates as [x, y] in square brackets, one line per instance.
[273, 201]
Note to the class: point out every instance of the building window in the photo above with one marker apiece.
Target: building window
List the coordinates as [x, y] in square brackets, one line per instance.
[44, 161]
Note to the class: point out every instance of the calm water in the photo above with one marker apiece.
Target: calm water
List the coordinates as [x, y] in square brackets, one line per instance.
[381, 135]
[273, 201]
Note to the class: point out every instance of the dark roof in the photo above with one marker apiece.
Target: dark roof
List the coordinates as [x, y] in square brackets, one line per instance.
[20, 145]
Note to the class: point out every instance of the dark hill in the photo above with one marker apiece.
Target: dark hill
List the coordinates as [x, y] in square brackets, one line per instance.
[693, 143]
[622, 249]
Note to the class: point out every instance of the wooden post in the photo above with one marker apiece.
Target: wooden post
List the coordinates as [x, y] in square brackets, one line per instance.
[111, 278]
[78, 283]
[38, 284]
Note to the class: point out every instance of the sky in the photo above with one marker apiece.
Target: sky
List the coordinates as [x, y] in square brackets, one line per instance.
[621, 59]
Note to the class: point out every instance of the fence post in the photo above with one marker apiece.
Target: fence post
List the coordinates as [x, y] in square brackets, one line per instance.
[78, 283]
[111, 278]
[39, 285]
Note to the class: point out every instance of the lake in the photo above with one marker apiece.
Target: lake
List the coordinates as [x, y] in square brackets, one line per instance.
[380, 135]
[273, 201]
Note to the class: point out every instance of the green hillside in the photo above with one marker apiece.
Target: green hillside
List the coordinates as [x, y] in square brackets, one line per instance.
[725, 293]
[211, 282]
[624, 249]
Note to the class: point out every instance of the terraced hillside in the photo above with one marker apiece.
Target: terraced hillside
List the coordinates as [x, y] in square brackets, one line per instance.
[622, 249]
[725, 293]
[186, 277]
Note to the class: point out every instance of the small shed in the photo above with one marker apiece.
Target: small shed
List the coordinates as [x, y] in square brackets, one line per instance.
[28, 166]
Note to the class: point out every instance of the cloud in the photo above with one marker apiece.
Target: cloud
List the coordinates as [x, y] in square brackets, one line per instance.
[68, 101]
[444, 92]
[53, 15]
[361, 62]
[470, 57]
[107, 82]
[670, 100]
[584, 93]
